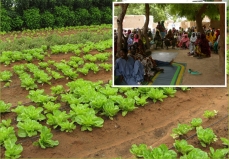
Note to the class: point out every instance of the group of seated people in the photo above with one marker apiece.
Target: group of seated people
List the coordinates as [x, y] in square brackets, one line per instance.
[135, 67]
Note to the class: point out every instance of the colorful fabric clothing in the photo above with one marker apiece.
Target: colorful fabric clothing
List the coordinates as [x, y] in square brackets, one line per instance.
[184, 41]
[204, 46]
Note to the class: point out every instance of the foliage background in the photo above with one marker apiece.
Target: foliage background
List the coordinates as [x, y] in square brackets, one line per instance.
[26, 14]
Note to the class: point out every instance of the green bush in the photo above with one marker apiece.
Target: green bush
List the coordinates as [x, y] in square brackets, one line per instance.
[95, 16]
[106, 15]
[5, 21]
[32, 18]
[82, 17]
[61, 16]
[47, 19]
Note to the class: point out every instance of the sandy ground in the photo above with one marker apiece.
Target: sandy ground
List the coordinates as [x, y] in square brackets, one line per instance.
[209, 68]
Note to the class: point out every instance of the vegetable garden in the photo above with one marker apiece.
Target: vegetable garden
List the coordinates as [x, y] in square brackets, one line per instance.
[57, 101]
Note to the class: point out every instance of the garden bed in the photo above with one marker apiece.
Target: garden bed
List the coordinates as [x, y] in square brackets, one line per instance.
[150, 124]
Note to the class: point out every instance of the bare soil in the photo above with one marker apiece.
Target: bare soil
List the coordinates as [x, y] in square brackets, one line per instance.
[151, 124]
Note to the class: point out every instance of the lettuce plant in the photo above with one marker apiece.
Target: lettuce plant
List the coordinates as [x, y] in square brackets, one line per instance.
[27, 81]
[181, 129]
[83, 70]
[205, 136]
[38, 96]
[19, 69]
[5, 123]
[109, 109]
[106, 66]
[127, 105]
[56, 118]
[195, 153]
[55, 90]
[160, 152]
[196, 122]
[101, 57]
[67, 126]
[45, 139]
[29, 112]
[50, 106]
[56, 75]
[131, 93]
[80, 109]
[210, 114]
[98, 102]
[4, 107]
[141, 100]
[12, 150]
[218, 153]
[5, 76]
[138, 150]
[88, 121]
[28, 128]
[182, 146]
[6, 133]
[156, 94]
[109, 91]
[143, 90]
[170, 91]
[225, 141]
[124, 89]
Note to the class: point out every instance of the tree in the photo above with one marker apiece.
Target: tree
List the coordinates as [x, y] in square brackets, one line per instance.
[145, 28]
[222, 38]
[195, 12]
[120, 23]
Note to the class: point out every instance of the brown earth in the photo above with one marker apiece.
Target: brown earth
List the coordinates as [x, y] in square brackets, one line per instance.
[151, 124]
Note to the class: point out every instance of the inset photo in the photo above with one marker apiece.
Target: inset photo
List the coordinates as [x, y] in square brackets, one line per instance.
[169, 44]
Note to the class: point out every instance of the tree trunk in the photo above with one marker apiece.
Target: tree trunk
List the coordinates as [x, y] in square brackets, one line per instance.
[145, 28]
[222, 39]
[199, 18]
[119, 24]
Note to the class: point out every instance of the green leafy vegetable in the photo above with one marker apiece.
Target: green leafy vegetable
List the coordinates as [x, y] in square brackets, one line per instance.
[45, 139]
[126, 105]
[109, 109]
[5, 76]
[138, 150]
[29, 112]
[182, 146]
[160, 152]
[205, 136]
[5, 123]
[57, 89]
[50, 106]
[218, 153]
[225, 141]
[196, 122]
[12, 150]
[4, 107]
[170, 91]
[141, 100]
[195, 154]
[67, 126]
[57, 117]
[156, 94]
[181, 129]
[88, 121]
[131, 93]
[28, 127]
[210, 114]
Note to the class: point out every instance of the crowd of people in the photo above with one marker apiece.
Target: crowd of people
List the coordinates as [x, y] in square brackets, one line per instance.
[133, 66]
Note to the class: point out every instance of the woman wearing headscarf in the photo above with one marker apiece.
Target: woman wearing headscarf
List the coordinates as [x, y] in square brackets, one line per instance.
[184, 42]
[158, 39]
[130, 40]
[170, 40]
[204, 48]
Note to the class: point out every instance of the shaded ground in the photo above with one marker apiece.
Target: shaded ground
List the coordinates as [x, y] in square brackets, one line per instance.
[209, 67]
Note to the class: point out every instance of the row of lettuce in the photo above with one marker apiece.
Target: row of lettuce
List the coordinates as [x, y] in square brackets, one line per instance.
[182, 149]
[65, 109]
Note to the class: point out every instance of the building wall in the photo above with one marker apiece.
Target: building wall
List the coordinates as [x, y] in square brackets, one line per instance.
[133, 21]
